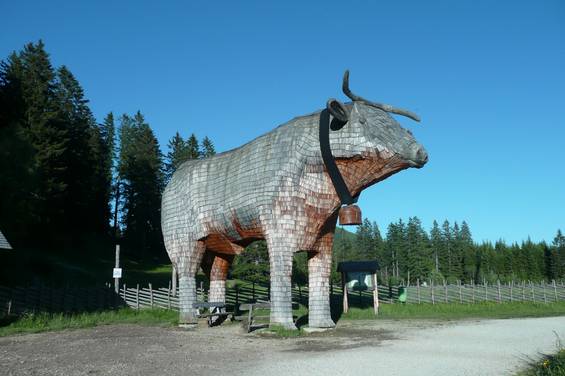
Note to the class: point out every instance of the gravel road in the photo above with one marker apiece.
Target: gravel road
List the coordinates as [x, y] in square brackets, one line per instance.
[485, 347]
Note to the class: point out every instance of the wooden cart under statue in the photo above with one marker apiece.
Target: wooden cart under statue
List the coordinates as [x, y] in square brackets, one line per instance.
[359, 276]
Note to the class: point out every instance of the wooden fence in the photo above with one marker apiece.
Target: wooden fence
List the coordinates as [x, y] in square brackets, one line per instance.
[33, 299]
[18, 300]
[435, 294]
[498, 292]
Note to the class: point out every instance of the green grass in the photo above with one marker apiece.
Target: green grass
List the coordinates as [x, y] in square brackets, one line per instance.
[41, 322]
[283, 332]
[458, 311]
[553, 365]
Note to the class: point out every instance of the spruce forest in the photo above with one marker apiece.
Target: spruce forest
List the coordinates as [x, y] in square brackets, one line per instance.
[72, 183]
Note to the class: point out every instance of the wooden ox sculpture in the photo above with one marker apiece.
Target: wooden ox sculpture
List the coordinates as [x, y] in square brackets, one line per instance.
[286, 187]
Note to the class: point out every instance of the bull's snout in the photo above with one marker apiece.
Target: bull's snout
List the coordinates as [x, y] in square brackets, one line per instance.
[419, 156]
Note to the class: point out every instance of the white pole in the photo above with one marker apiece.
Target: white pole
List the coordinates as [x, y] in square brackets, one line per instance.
[117, 280]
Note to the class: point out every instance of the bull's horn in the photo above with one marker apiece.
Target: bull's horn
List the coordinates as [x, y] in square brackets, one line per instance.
[384, 107]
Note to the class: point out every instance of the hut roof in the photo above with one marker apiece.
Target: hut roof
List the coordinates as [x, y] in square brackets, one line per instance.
[358, 266]
[4, 242]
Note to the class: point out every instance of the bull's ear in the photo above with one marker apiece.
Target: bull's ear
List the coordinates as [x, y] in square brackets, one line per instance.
[339, 113]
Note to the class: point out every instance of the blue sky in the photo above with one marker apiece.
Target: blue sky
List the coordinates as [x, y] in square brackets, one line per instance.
[486, 77]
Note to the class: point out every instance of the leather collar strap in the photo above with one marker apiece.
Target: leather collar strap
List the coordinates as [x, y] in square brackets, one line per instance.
[329, 160]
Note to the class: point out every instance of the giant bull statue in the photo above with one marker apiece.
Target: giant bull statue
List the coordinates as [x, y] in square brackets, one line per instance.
[286, 187]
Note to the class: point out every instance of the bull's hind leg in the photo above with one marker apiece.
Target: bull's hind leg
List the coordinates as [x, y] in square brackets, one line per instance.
[188, 264]
[281, 251]
[319, 269]
[216, 266]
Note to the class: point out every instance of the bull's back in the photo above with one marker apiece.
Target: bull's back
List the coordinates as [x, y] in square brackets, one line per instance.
[228, 190]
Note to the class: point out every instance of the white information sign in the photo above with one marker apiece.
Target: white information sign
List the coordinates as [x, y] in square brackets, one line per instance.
[117, 272]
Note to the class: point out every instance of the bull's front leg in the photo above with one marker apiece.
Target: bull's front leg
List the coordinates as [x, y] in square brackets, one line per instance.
[281, 251]
[319, 270]
[187, 265]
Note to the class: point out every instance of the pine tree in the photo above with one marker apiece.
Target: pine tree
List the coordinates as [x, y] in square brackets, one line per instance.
[550, 265]
[84, 175]
[447, 239]
[193, 148]
[378, 242]
[103, 141]
[178, 153]
[467, 256]
[420, 263]
[504, 262]
[436, 243]
[396, 247]
[17, 180]
[208, 149]
[53, 135]
[559, 249]
[47, 136]
[140, 172]
[364, 242]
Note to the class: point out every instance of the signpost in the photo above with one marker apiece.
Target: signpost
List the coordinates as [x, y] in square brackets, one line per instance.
[117, 271]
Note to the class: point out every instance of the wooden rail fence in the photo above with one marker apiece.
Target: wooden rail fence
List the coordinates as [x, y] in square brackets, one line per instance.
[19, 300]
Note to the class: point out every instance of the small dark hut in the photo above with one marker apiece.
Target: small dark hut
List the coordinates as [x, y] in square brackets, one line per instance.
[359, 276]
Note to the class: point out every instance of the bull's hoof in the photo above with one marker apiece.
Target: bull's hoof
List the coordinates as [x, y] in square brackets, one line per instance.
[321, 324]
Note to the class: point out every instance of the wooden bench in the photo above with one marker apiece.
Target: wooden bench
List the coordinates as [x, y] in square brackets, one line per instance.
[218, 310]
[250, 322]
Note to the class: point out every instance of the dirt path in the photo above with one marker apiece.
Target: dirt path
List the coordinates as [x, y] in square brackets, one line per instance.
[355, 348]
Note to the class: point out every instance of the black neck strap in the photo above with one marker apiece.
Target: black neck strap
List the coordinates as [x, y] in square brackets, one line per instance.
[329, 160]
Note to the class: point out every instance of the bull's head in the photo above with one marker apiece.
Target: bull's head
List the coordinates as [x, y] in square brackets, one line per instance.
[368, 144]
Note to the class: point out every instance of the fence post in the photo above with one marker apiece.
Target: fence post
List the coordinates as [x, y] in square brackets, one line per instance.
[555, 290]
[253, 291]
[460, 293]
[151, 294]
[446, 293]
[511, 290]
[174, 278]
[432, 290]
[533, 294]
[486, 290]
[345, 299]
[544, 294]
[169, 296]
[375, 295]
[418, 290]
[137, 297]
[498, 285]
